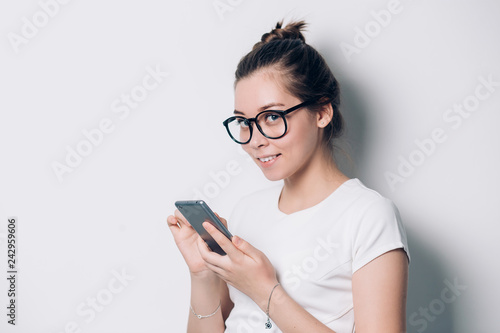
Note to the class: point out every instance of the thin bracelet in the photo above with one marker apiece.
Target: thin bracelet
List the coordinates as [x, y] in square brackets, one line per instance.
[200, 316]
[268, 323]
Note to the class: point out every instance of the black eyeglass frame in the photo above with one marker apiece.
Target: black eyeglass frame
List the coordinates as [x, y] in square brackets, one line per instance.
[248, 121]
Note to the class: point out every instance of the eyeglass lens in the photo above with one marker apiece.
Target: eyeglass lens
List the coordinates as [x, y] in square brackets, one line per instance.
[272, 124]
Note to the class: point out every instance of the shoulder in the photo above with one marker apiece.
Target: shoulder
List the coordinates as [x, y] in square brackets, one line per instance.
[377, 227]
[364, 198]
[370, 207]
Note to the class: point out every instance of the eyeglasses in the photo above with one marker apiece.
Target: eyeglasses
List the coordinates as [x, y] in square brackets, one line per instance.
[271, 123]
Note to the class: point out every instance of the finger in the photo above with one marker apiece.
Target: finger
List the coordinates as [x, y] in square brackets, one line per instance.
[245, 247]
[174, 227]
[208, 255]
[172, 221]
[223, 220]
[202, 246]
[182, 220]
[224, 242]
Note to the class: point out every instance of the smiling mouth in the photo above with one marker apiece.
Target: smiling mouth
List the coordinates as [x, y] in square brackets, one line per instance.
[269, 158]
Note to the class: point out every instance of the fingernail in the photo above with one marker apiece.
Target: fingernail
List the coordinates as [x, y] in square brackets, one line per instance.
[236, 240]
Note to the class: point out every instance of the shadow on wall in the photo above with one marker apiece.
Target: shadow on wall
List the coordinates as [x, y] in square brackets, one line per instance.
[356, 132]
[431, 294]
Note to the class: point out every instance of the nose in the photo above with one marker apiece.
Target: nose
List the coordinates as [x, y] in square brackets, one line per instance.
[258, 139]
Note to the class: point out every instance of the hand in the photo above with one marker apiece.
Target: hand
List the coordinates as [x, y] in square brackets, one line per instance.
[186, 239]
[244, 267]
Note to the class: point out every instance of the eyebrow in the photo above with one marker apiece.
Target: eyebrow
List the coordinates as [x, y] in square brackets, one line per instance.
[262, 108]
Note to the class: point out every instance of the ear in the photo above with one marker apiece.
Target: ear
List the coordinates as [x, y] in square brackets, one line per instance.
[324, 116]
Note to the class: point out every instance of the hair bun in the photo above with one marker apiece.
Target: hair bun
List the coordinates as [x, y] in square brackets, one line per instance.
[292, 30]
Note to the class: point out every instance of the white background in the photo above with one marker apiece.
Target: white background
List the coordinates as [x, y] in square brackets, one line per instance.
[109, 214]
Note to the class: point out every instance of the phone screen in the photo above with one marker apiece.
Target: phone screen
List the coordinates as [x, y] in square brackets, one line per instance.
[196, 212]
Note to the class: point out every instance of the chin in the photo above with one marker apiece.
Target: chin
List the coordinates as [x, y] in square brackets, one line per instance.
[275, 172]
[273, 175]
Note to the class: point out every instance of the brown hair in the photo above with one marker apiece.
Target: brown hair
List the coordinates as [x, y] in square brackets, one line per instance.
[303, 70]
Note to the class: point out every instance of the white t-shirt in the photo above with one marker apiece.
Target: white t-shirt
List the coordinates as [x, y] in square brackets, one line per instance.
[315, 251]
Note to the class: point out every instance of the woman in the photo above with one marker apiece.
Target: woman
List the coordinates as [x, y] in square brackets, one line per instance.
[322, 253]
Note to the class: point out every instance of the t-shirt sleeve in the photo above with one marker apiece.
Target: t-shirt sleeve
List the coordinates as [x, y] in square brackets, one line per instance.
[378, 230]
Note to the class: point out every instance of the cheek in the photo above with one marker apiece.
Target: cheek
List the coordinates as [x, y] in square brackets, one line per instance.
[302, 138]
[248, 152]
[246, 149]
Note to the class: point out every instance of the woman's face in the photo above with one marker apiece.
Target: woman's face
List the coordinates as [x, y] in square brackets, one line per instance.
[291, 153]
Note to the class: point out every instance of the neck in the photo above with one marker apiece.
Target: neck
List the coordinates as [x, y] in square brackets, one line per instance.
[315, 181]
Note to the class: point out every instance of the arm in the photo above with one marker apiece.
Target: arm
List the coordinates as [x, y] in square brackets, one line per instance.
[205, 296]
[206, 291]
[379, 294]
[206, 288]
[226, 303]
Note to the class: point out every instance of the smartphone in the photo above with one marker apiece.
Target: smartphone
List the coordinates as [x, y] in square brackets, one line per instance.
[197, 212]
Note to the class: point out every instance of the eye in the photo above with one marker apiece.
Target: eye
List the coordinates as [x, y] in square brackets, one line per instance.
[271, 117]
[242, 122]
